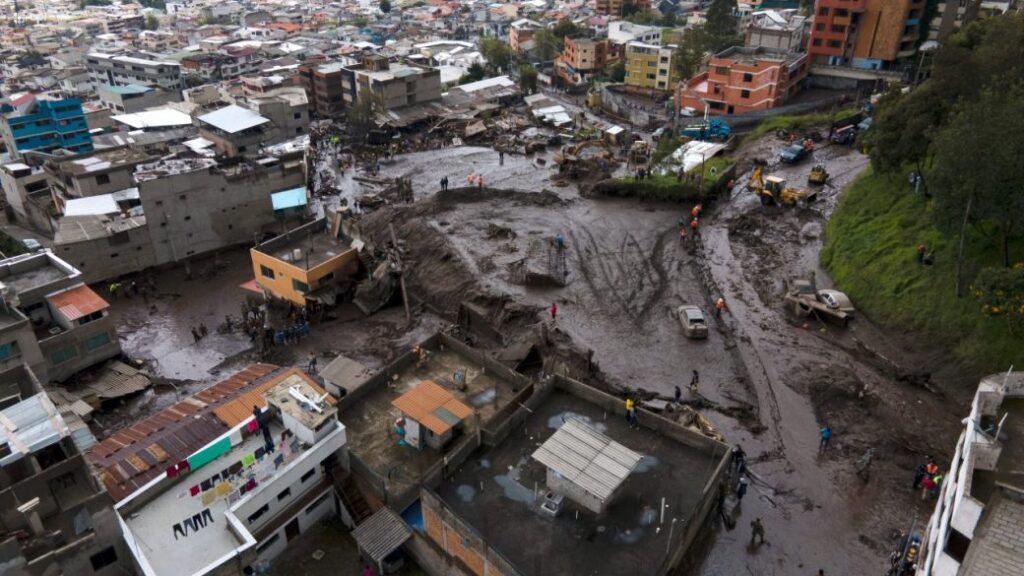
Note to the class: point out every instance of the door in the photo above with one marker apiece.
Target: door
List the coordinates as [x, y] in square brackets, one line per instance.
[291, 530]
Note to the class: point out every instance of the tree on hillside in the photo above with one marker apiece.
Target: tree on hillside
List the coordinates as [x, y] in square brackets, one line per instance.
[546, 45]
[527, 78]
[628, 9]
[566, 27]
[668, 20]
[1001, 292]
[646, 17]
[977, 171]
[497, 53]
[617, 71]
[688, 58]
[473, 73]
[151, 22]
[385, 6]
[722, 25]
[901, 131]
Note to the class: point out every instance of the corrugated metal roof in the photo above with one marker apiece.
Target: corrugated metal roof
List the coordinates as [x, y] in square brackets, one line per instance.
[119, 379]
[432, 406]
[381, 534]
[587, 458]
[77, 302]
[29, 426]
[233, 118]
[133, 456]
[239, 410]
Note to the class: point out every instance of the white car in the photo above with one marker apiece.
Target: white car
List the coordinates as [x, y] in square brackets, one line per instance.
[836, 300]
[692, 320]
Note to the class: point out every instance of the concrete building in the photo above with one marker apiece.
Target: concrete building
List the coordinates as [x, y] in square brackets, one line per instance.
[134, 97]
[56, 518]
[621, 33]
[520, 34]
[27, 191]
[232, 490]
[741, 80]
[391, 85]
[44, 125]
[978, 520]
[158, 40]
[614, 7]
[867, 34]
[648, 67]
[129, 68]
[323, 88]
[541, 523]
[581, 58]
[54, 321]
[775, 30]
[98, 172]
[275, 117]
[306, 263]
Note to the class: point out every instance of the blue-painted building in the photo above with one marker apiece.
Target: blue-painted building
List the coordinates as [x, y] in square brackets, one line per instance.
[45, 125]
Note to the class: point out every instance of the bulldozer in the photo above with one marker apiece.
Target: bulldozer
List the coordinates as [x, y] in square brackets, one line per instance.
[773, 190]
[639, 153]
[818, 176]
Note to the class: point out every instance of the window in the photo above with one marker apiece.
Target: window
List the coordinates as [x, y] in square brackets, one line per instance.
[823, 11]
[835, 44]
[820, 26]
[307, 475]
[748, 77]
[744, 93]
[256, 515]
[62, 356]
[270, 542]
[267, 272]
[300, 286]
[816, 42]
[97, 341]
[838, 29]
[723, 70]
[90, 318]
[105, 558]
[297, 115]
[284, 494]
[182, 197]
[309, 509]
[188, 217]
[102, 179]
[9, 350]
[842, 12]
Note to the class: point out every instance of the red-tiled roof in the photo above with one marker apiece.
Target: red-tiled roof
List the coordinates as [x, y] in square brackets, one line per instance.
[134, 456]
[77, 302]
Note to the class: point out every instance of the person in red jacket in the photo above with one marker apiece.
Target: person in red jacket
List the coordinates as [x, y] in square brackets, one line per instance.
[554, 310]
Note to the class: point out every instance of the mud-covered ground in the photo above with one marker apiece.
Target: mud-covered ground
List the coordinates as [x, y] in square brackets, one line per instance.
[767, 381]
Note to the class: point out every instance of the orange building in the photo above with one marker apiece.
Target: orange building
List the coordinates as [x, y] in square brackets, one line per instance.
[520, 33]
[580, 58]
[868, 34]
[740, 80]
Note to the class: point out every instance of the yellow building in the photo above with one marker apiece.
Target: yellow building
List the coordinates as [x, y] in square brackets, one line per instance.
[648, 66]
[304, 264]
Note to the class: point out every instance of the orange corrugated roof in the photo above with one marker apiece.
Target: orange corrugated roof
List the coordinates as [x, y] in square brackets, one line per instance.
[423, 402]
[77, 302]
[239, 410]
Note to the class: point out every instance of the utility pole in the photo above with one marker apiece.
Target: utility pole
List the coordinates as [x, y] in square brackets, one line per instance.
[401, 273]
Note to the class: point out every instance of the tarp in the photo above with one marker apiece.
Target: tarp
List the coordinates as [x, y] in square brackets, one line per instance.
[210, 453]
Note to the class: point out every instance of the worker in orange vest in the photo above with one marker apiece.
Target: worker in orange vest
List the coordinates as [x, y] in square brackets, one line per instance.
[693, 227]
[696, 210]
[719, 306]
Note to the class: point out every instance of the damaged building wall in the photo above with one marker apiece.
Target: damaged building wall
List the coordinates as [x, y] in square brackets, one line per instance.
[459, 541]
[191, 213]
[100, 255]
[74, 350]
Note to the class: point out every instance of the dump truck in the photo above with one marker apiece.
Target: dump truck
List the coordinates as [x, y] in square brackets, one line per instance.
[713, 129]
[773, 190]
[818, 175]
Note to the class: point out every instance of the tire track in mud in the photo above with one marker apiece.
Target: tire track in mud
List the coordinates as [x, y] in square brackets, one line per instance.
[644, 274]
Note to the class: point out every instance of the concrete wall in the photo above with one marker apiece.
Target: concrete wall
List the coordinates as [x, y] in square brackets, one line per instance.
[84, 357]
[89, 183]
[104, 258]
[196, 212]
[459, 540]
[29, 353]
[277, 542]
[16, 189]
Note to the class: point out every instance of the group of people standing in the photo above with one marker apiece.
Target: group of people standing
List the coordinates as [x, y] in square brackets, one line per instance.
[928, 477]
[693, 225]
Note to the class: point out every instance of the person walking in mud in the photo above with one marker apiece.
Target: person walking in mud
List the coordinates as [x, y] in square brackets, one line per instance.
[203, 330]
[694, 381]
[196, 337]
[756, 531]
[679, 395]
[501, 158]
[741, 488]
[719, 305]
[554, 310]
[311, 367]
[693, 227]
[826, 436]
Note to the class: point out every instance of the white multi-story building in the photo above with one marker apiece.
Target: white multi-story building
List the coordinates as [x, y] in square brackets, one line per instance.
[235, 503]
[124, 70]
[977, 528]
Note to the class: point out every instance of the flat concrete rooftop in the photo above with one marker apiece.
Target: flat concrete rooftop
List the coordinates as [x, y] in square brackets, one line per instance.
[370, 422]
[314, 248]
[152, 526]
[1009, 469]
[23, 281]
[495, 492]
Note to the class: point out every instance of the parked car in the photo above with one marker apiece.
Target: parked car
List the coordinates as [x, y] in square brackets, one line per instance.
[692, 319]
[793, 154]
[32, 245]
[836, 300]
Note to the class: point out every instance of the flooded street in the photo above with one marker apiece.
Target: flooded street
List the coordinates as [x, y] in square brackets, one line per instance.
[767, 381]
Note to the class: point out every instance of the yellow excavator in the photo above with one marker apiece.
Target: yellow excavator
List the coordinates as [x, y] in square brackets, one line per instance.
[773, 190]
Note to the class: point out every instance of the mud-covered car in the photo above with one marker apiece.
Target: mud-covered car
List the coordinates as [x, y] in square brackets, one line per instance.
[692, 320]
[836, 300]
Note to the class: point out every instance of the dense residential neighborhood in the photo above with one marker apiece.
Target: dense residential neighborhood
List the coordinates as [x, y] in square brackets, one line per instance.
[533, 287]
